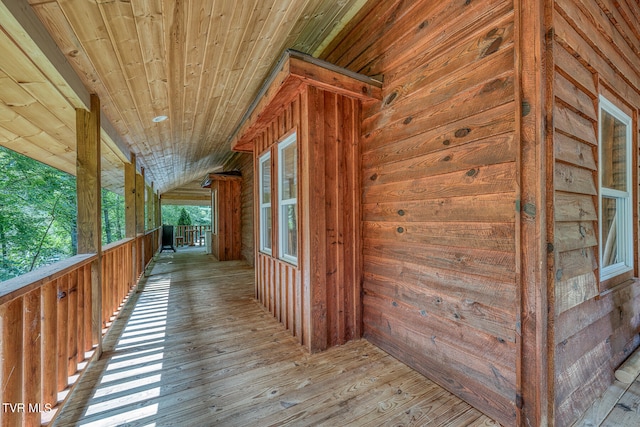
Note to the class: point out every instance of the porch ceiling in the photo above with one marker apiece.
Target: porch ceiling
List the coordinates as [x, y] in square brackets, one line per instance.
[200, 63]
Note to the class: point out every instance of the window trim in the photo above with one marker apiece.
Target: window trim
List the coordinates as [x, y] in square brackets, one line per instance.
[624, 212]
[262, 160]
[285, 203]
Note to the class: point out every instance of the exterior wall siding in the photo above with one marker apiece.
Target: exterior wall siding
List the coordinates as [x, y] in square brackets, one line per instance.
[439, 192]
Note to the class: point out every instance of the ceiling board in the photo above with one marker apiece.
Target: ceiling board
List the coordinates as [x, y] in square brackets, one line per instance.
[201, 63]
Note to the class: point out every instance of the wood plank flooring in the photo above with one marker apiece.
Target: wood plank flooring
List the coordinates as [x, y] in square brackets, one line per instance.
[619, 406]
[194, 348]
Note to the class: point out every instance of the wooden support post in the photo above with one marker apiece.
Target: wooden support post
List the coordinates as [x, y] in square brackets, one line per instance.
[535, 350]
[158, 209]
[89, 205]
[150, 207]
[140, 220]
[130, 209]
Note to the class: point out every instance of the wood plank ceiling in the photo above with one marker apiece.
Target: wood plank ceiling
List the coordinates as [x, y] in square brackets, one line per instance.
[199, 62]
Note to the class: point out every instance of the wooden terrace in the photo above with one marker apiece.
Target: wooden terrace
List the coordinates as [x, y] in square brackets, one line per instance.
[193, 343]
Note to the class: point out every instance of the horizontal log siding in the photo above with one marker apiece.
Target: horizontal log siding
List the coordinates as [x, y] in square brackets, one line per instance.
[439, 187]
[244, 163]
[596, 47]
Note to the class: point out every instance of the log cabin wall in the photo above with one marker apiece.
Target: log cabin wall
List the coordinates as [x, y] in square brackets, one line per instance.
[596, 50]
[243, 162]
[439, 179]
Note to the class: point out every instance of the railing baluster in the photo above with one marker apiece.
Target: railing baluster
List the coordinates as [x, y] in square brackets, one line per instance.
[63, 321]
[11, 351]
[88, 337]
[72, 343]
[32, 341]
[49, 343]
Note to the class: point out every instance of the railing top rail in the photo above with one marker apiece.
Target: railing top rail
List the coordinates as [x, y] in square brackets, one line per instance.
[115, 245]
[21, 285]
[152, 230]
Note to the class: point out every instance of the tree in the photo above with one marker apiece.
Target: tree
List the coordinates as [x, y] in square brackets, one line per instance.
[37, 214]
[185, 218]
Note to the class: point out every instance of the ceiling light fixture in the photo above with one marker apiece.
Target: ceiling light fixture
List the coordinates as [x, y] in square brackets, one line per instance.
[159, 119]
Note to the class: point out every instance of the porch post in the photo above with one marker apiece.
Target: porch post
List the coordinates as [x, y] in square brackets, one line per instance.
[150, 207]
[140, 218]
[130, 209]
[158, 209]
[88, 169]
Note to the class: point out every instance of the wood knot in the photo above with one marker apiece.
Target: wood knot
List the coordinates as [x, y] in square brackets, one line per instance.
[446, 159]
[408, 120]
[423, 24]
[392, 96]
[461, 133]
[400, 230]
[493, 86]
[373, 177]
[401, 212]
[472, 172]
[493, 47]
[500, 340]
[446, 142]
[62, 295]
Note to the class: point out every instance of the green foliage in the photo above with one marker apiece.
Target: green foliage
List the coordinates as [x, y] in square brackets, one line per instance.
[113, 217]
[199, 215]
[185, 218]
[37, 214]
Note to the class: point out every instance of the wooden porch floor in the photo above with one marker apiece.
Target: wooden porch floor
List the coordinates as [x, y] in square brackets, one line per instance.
[193, 347]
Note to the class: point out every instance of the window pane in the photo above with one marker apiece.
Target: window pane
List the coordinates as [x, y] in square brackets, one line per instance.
[289, 176]
[266, 180]
[266, 228]
[613, 139]
[290, 235]
[609, 232]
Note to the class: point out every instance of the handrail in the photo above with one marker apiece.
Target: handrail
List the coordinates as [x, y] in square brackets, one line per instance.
[151, 230]
[21, 285]
[115, 245]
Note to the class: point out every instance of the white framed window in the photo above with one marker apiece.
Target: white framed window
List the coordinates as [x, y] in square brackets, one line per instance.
[288, 199]
[615, 190]
[265, 203]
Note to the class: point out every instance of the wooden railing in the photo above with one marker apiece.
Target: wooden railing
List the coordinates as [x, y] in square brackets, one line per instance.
[45, 319]
[46, 324]
[117, 276]
[191, 234]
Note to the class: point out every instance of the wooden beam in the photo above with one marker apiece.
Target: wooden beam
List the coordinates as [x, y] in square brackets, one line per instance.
[89, 204]
[535, 358]
[150, 206]
[130, 210]
[140, 202]
[130, 197]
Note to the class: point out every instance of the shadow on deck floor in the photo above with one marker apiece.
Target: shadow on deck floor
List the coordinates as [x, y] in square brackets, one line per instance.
[192, 347]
